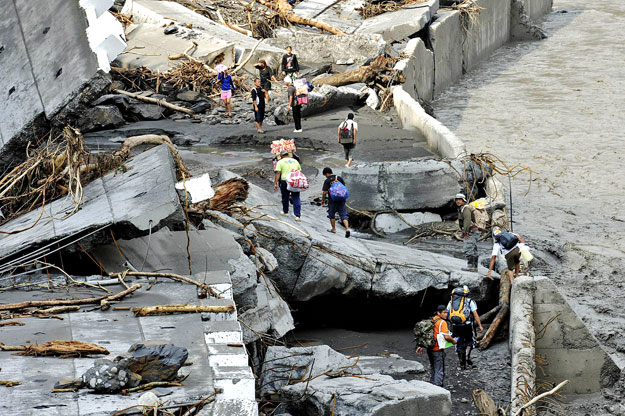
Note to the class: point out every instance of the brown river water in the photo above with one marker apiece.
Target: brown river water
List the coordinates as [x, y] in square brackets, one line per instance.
[558, 107]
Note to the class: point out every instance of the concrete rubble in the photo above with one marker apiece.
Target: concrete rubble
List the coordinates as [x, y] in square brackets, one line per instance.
[329, 374]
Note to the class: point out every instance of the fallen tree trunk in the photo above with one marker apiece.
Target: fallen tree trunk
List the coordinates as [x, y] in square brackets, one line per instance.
[504, 307]
[57, 348]
[12, 323]
[285, 10]
[362, 74]
[490, 314]
[9, 383]
[155, 139]
[167, 309]
[156, 101]
[484, 403]
[65, 302]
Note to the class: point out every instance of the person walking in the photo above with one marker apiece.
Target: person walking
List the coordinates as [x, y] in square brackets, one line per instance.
[290, 65]
[293, 105]
[462, 313]
[436, 355]
[227, 88]
[265, 74]
[346, 135]
[259, 97]
[506, 243]
[470, 232]
[285, 165]
[334, 207]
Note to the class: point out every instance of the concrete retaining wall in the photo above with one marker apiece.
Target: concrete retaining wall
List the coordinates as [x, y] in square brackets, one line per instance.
[537, 8]
[570, 350]
[418, 69]
[440, 139]
[446, 39]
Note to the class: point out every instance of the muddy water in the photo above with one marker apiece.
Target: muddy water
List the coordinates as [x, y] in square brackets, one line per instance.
[558, 106]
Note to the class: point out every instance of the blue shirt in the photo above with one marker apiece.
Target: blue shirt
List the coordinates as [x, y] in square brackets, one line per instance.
[226, 82]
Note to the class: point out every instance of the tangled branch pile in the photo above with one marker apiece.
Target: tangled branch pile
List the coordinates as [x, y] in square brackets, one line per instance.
[61, 168]
[469, 13]
[373, 8]
[193, 76]
[227, 194]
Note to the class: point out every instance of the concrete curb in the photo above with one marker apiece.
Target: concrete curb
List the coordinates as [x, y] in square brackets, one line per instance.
[413, 117]
[522, 343]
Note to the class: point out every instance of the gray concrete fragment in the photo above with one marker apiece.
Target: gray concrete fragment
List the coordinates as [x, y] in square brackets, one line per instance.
[400, 24]
[445, 35]
[393, 223]
[418, 68]
[393, 365]
[141, 198]
[357, 396]
[341, 15]
[156, 47]
[521, 26]
[319, 49]
[145, 111]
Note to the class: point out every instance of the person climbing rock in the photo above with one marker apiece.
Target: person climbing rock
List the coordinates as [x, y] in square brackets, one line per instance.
[462, 313]
[470, 232]
[336, 200]
[506, 243]
[436, 354]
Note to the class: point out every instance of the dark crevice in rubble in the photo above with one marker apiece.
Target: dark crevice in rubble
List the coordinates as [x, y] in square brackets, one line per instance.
[367, 313]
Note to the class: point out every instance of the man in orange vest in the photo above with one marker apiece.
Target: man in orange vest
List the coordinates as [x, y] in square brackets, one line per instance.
[436, 355]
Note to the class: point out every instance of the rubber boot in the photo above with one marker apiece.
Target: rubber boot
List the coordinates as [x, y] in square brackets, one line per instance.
[475, 262]
[469, 267]
[469, 362]
[462, 357]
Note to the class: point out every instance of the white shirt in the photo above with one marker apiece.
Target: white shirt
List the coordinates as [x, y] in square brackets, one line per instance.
[350, 124]
[497, 248]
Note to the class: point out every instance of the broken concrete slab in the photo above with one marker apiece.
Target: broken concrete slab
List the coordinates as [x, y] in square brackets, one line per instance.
[446, 36]
[140, 199]
[37, 92]
[155, 47]
[320, 49]
[394, 223]
[393, 365]
[395, 26]
[314, 263]
[379, 395]
[166, 12]
[418, 68]
[413, 185]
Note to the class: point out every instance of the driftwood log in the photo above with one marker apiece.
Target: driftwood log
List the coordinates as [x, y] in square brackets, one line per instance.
[362, 74]
[156, 101]
[172, 276]
[502, 313]
[57, 348]
[66, 302]
[284, 9]
[167, 309]
[484, 403]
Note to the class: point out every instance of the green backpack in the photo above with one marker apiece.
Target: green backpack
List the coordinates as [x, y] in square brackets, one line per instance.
[424, 333]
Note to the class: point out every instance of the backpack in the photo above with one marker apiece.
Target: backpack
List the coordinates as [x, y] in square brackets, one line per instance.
[346, 134]
[296, 181]
[460, 310]
[481, 216]
[424, 333]
[507, 239]
[338, 191]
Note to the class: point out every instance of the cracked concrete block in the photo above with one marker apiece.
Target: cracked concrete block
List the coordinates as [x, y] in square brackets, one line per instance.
[395, 26]
[418, 69]
[445, 36]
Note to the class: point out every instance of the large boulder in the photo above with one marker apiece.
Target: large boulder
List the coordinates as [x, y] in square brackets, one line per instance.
[323, 98]
[411, 185]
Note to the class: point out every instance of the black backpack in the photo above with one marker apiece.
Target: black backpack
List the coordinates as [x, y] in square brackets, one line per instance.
[507, 239]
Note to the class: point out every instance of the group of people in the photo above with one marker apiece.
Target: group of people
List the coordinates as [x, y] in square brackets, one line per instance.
[461, 311]
[287, 163]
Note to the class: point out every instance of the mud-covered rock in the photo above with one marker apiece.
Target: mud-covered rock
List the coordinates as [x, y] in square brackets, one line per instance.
[156, 361]
[100, 117]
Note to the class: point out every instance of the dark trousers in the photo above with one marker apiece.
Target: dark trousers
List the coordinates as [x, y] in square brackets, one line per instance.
[297, 116]
[437, 366]
[297, 204]
[465, 337]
